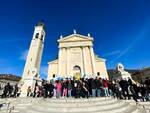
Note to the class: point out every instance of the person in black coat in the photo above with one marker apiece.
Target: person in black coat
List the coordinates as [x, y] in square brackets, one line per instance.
[46, 89]
[99, 85]
[84, 89]
[124, 86]
[15, 90]
[50, 89]
[90, 86]
[116, 93]
[78, 91]
[93, 86]
[7, 90]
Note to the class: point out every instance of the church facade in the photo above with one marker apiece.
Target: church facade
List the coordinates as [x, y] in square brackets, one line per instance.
[76, 58]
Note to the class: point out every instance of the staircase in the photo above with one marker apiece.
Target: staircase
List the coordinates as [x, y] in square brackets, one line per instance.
[71, 105]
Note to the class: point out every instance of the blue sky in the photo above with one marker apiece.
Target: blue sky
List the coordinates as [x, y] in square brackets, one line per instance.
[121, 30]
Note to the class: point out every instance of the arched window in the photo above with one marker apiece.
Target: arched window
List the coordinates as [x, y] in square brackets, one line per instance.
[77, 72]
[76, 68]
[37, 35]
[42, 38]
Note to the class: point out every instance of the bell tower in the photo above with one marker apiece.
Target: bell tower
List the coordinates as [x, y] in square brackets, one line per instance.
[31, 73]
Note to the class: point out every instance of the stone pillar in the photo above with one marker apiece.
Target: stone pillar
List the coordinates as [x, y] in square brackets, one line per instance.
[84, 60]
[64, 62]
[59, 61]
[68, 60]
[93, 60]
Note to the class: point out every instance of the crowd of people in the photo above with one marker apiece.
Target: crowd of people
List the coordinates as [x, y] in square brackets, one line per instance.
[85, 88]
[10, 91]
[72, 88]
[93, 87]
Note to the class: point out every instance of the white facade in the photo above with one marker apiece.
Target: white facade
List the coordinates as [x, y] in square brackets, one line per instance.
[33, 61]
[76, 56]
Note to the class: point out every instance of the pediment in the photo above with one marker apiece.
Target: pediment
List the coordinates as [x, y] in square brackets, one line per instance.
[75, 37]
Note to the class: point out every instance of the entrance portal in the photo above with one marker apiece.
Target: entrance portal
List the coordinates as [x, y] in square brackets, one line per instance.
[77, 72]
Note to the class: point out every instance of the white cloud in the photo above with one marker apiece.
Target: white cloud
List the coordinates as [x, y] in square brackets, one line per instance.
[132, 44]
[112, 53]
[24, 55]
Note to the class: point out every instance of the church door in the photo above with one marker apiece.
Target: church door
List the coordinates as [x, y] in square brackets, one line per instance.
[77, 72]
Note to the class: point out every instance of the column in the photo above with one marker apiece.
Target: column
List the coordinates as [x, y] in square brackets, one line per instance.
[68, 60]
[84, 60]
[64, 62]
[59, 61]
[93, 60]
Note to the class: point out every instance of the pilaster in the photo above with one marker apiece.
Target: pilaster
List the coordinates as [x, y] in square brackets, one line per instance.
[68, 60]
[93, 60]
[59, 61]
[84, 60]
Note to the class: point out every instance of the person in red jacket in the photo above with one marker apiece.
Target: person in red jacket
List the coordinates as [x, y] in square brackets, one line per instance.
[105, 86]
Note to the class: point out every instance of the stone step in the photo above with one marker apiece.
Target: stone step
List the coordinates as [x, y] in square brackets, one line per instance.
[145, 103]
[112, 103]
[65, 101]
[53, 104]
[131, 109]
[78, 100]
[71, 105]
[85, 104]
[28, 100]
[24, 104]
[79, 109]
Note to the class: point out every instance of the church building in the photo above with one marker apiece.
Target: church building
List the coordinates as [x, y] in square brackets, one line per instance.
[76, 58]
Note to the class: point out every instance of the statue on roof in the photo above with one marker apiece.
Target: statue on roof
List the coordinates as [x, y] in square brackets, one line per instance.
[74, 31]
[61, 36]
[89, 35]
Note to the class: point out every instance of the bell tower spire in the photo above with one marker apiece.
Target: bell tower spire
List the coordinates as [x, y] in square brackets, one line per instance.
[31, 73]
